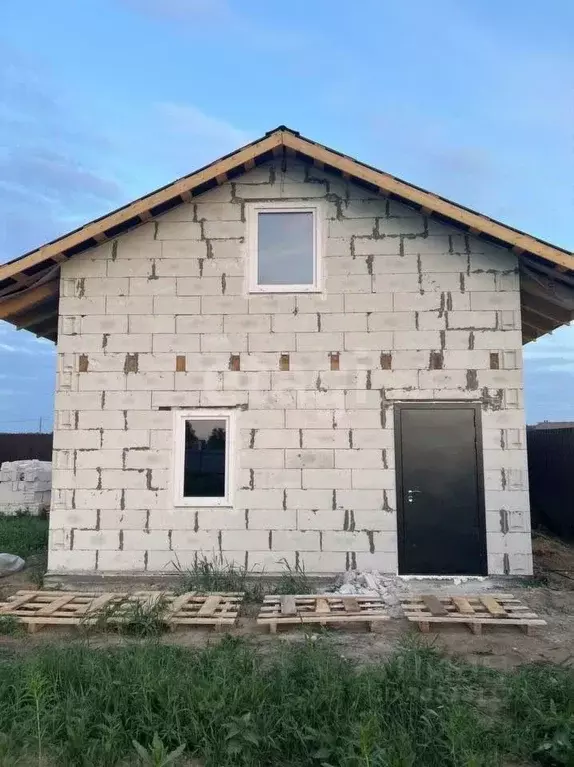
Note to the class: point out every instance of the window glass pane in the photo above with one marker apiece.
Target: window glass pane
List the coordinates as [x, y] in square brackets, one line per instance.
[285, 249]
[204, 462]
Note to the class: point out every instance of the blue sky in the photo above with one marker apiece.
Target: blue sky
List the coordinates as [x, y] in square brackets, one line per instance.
[102, 101]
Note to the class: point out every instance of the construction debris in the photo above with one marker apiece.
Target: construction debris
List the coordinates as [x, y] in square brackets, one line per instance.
[371, 583]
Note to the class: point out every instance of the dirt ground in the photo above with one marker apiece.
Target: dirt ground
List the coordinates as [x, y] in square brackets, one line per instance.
[550, 593]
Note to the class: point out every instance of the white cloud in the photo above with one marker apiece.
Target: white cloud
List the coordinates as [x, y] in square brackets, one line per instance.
[558, 345]
[190, 121]
[551, 353]
[493, 131]
[8, 348]
[221, 18]
[23, 349]
[181, 10]
[187, 138]
[54, 177]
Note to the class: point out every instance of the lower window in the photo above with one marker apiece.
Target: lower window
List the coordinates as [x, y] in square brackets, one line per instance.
[202, 475]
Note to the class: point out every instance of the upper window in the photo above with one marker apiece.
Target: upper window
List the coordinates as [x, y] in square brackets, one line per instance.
[284, 247]
[202, 470]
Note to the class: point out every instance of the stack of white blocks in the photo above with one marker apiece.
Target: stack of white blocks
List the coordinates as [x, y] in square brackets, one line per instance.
[25, 486]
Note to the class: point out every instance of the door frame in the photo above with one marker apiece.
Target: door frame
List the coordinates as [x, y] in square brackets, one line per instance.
[401, 518]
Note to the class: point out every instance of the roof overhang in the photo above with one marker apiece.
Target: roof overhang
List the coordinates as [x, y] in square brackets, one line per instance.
[29, 284]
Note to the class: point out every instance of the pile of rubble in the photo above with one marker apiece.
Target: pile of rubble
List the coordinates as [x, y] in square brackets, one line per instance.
[365, 583]
[393, 588]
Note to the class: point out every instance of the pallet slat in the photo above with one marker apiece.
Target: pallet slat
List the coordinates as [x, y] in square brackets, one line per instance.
[16, 602]
[98, 603]
[57, 604]
[463, 605]
[209, 606]
[433, 604]
[493, 607]
[351, 605]
[179, 602]
[487, 621]
[288, 605]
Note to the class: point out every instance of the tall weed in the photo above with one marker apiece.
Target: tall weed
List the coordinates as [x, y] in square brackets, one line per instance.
[293, 707]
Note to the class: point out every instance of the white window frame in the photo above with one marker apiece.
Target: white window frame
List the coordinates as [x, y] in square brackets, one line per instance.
[279, 206]
[180, 417]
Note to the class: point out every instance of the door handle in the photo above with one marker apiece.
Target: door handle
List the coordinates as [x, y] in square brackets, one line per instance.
[411, 494]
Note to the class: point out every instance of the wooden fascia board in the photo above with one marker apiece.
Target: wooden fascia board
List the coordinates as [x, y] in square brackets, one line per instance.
[10, 307]
[450, 210]
[141, 206]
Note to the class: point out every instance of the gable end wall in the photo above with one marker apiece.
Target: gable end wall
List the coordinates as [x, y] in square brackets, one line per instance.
[413, 309]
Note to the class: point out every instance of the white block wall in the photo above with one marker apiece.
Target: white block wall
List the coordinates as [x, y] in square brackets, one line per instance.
[25, 487]
[316, 483]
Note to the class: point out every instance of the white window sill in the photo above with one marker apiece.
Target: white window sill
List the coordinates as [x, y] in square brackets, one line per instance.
[284, 289]
[187, 503]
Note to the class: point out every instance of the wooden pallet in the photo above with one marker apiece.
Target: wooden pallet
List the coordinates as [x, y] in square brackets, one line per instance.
[72, 608]
[191, 609]
[322, 609]
[473, 611]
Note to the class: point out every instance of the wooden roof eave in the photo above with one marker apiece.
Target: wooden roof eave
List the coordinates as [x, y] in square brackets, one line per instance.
[28, 299]
[140, 208]
[431, 202]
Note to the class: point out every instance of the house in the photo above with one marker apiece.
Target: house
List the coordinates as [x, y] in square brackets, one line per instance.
[290, 356]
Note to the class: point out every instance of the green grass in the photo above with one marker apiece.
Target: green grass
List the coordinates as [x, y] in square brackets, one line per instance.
[293, 580]
[24, 535]
[297, 706]
[209, 575]
[10, 626]
[129, 618]
[27, 537]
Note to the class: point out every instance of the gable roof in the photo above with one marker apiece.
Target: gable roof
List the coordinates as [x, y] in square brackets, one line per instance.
[29, 284]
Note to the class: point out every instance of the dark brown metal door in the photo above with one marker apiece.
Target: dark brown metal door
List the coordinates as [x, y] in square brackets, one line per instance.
[440, 491]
